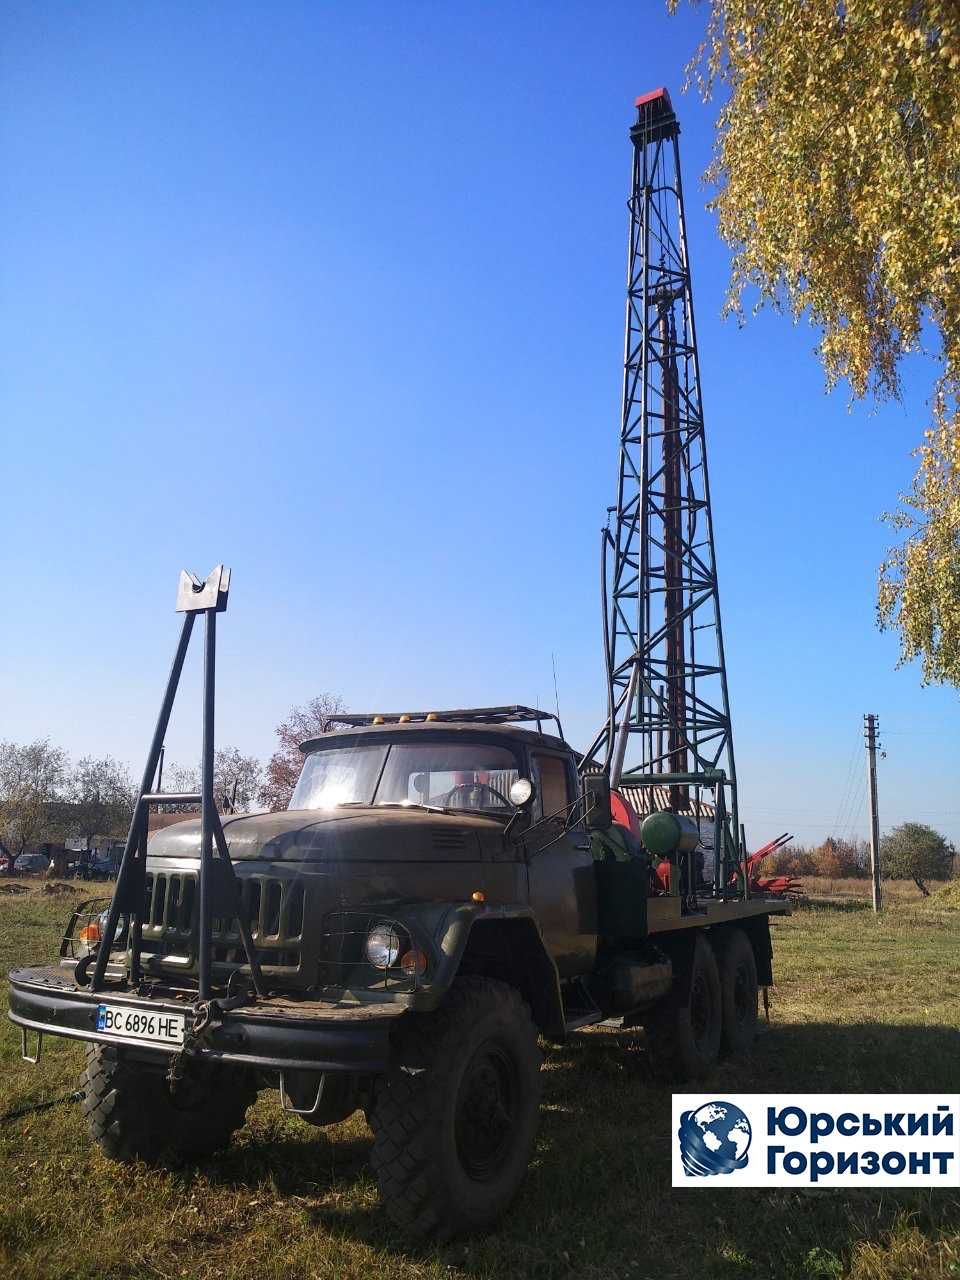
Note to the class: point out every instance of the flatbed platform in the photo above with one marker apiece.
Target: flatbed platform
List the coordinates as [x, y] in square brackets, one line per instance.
[664, 915]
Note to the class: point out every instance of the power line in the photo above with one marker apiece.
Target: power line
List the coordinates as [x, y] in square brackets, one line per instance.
[851, 807]
[850, 769]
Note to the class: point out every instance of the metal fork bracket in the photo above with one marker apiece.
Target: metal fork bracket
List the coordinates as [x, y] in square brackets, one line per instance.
[219, 892]
[23, 1047]
[288, 1106]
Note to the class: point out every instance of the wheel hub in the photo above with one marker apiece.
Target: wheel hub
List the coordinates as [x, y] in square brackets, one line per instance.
[486, 1110]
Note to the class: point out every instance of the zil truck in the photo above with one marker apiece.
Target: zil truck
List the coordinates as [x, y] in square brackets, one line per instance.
[446, 891]
[450, 891]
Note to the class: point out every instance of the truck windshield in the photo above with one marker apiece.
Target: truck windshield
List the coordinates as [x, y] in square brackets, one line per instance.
[450, 775]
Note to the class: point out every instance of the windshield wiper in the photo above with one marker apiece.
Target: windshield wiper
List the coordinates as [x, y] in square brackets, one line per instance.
[409, 804]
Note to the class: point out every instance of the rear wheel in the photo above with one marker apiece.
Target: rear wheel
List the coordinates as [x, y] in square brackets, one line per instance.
[685, 1034]
[738, 988]
[455, 1121]
[132, 1114]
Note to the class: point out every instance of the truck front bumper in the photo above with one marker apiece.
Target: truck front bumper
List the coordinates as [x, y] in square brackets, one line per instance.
[274, 1034]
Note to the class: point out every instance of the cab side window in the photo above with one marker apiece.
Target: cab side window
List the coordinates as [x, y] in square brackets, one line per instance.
[553, 789]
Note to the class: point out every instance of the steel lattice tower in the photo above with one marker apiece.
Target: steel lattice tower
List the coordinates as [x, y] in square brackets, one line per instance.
[668, 708]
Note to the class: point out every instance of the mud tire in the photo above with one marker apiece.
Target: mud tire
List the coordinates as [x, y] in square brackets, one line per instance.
[738, 992]
[684, 1033]
[132, 1115]
[456, 1118]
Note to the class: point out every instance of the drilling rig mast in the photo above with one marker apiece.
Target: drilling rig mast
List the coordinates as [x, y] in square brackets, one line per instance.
[668, 719]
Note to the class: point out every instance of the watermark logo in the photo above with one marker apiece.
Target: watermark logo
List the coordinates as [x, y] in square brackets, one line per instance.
[816, 1140]
[714, 1138]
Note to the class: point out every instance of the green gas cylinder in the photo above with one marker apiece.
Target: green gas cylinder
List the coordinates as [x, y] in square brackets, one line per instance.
[666, 834]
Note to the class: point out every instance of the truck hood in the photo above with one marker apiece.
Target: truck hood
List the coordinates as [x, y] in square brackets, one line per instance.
[380, 834]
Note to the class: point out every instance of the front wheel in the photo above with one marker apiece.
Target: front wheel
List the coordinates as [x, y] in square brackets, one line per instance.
[132, 1114]
[455, 1120]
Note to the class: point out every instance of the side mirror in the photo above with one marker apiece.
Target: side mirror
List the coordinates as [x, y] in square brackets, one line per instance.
[420, 783]
[596, 796]
[522, 792]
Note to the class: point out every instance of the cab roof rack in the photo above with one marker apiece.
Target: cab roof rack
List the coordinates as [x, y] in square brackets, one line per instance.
[463, 715]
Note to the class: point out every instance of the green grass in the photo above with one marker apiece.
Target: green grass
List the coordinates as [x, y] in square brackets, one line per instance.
[860, 1005]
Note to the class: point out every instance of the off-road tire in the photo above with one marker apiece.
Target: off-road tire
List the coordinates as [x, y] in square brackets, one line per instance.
[684, 1032]
[738, 992]
[132, 1115]
[455, 1120]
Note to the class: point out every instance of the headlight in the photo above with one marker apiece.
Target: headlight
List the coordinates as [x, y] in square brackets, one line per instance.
[98, 928]
[383, 946]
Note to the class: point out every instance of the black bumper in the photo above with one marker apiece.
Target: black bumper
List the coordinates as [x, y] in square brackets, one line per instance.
[273, 1036]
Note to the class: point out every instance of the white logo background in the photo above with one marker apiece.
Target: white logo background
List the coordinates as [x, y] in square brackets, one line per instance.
[943, 1171]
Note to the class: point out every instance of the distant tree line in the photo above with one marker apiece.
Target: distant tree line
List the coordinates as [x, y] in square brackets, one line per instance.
[46, 798]
[912, 851]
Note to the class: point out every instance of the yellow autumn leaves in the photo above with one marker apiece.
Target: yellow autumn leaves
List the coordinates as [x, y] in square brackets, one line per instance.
[837, 171]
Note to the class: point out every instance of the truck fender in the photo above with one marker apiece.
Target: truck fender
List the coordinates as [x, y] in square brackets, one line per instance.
[757, 930]
[502, 942]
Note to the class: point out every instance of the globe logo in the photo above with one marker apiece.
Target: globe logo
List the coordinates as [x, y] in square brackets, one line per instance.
[713, 1139]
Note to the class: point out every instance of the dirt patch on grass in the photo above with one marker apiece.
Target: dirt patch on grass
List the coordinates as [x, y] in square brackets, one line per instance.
[14, 888]
[57, 886]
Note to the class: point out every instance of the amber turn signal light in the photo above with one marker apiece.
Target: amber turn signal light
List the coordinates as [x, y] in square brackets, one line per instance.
[413, 963]
[90, 933]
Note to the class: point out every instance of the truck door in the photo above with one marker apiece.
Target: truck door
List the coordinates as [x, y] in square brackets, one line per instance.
[561, 879]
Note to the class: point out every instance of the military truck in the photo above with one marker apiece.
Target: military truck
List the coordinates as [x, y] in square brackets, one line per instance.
[449, 891]
[446, 892]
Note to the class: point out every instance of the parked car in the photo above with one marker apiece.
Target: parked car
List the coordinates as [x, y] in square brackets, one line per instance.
[105, 867]
[31, 864]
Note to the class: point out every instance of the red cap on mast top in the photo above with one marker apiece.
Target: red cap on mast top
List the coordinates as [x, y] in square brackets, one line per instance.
[652, 95]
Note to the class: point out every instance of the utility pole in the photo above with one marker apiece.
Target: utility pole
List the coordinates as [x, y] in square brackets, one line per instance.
[870, 733]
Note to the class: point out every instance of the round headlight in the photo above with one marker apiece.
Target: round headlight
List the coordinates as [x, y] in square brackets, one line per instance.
[521, 792]
[119, 938]
[383, 946]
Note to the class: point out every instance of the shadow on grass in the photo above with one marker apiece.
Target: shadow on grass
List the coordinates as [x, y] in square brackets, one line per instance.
[598, 1201]
[310, 1166]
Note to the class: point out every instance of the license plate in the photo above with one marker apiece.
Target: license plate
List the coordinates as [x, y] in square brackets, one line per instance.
[140, 1024]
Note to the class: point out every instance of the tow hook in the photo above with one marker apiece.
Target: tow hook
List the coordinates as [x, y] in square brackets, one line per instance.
[206, 1017]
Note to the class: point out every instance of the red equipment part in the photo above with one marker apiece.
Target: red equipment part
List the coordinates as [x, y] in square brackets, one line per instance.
[783, 884]
[624, 814]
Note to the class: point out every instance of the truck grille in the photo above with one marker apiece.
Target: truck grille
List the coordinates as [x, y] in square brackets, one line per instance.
[272, 907]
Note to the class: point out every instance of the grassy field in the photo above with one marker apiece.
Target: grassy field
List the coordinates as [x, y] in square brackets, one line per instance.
[894, 892]
[860, 1005]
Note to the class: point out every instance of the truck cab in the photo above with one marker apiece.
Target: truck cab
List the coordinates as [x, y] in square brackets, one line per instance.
[429, 823]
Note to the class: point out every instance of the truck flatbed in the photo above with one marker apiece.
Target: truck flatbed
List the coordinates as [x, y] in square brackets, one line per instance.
[664, 915]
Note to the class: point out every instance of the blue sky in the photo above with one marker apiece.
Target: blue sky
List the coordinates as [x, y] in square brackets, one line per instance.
[334, 293]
